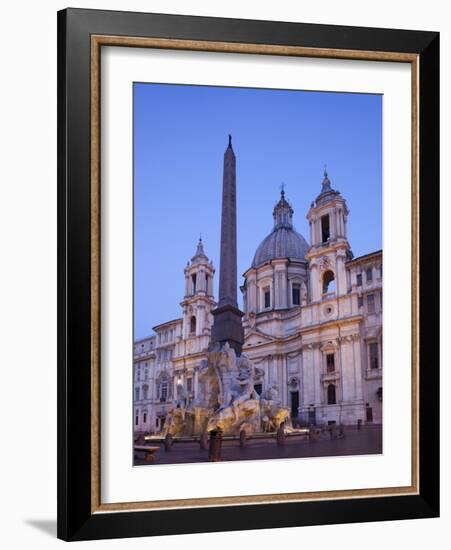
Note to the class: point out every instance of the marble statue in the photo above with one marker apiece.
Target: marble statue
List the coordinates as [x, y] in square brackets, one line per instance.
[175, 422]
[272, 410]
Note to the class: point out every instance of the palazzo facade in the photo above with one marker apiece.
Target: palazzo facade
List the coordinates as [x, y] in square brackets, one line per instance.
[312, 324]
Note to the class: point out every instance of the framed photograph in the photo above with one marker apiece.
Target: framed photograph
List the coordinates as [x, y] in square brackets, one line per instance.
[248, 274]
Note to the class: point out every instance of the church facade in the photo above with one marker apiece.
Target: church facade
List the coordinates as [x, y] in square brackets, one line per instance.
[312, 324]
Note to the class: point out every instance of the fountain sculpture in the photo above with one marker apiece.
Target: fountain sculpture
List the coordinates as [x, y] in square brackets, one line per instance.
[226, 400]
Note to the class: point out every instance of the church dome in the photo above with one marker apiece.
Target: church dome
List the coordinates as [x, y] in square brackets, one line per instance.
[283, 241]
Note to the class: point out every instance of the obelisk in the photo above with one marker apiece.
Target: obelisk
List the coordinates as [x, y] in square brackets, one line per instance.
[227, 325]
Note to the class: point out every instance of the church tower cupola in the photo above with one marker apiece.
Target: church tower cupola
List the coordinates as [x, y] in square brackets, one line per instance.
[283, 213]
[200, 253]
[327, 192]
[198, 300]
[328, 218]
[199, 274]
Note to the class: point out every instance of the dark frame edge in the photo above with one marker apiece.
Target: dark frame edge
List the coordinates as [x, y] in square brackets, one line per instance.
[62, 496]
[73, 287]
[429, 276]
[252, 517]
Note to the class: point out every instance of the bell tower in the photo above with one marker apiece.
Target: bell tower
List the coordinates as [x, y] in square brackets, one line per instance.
[328, 217]
[198, 301]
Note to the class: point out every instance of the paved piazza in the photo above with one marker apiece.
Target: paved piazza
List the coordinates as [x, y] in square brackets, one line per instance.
[368, 440]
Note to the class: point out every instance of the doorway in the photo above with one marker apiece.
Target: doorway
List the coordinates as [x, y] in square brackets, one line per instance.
[294, 404]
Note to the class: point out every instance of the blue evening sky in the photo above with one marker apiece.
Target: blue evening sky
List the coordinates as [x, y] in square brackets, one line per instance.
[279, 136]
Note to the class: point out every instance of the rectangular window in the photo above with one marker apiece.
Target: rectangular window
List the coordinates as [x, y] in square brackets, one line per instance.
[325, 228]
[330, 362]
[267, 295]
[144, 417]
[360, 301]
[369, 274]
[359, 279]
[296, 295]
[189, 385]
[374, 355]
[164, 391]
[370, 303]
[136, 418]
[136, 394]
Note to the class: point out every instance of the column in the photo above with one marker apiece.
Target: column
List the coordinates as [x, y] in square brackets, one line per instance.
[318, 231]
[358, 366]
[317, 374]
[195, 381]
[314, 283]
[284, 369]
[335, 224]
[308, 377]
[285, 301]
[340, 275]
[200, 318]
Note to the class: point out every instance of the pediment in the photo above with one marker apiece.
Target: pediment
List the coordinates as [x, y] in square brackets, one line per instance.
[256, 337]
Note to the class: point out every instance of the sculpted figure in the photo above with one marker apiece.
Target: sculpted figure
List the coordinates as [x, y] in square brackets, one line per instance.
[272, 393]
[282, 416]
[181, 396]
[240, 406]
[303, 294]
[246, 375]
[175, 422]
[273, 412]
[227, 359]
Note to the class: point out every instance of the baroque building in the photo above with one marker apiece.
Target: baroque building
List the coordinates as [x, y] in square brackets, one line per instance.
[312, 323]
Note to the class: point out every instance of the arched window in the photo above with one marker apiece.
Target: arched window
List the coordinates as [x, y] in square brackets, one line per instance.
[331, 395]
[296, 294]
[192, 325]
[325, 228]
[328, 282]
[193, 282]
[267, 297]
